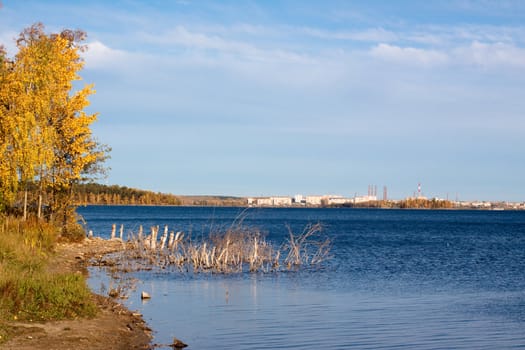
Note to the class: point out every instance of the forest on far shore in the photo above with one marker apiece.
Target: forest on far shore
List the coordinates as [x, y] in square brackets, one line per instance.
[98, 194]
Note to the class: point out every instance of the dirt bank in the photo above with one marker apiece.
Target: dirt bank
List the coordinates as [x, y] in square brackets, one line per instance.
[114, 327]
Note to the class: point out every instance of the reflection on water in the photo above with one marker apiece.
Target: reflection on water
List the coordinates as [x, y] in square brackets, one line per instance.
[399, 279]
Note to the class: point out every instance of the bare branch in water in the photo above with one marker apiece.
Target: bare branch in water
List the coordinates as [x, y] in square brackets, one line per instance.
[232, 250]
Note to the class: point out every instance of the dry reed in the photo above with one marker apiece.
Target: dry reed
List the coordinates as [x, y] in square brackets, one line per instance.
[235, 249]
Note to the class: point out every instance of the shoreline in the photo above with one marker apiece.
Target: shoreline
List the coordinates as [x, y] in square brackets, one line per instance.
[305, 207]
[114, 326]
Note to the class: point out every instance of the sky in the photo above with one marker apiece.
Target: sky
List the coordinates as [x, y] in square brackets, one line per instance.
[260, 98]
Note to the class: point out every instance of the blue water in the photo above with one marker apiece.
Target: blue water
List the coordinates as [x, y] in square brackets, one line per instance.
[398, 279]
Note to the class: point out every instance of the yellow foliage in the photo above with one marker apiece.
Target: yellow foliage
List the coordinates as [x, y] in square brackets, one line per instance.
[45, 134]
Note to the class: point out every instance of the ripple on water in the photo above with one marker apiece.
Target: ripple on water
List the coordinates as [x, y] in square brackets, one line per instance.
[398, 280]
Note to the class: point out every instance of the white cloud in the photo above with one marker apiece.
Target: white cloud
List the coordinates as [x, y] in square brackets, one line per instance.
[496, 54]
[483, 33]
[100, 56]
[409, 55]
[182, 37]
[251, 29]
[371, 34]
[477, 53]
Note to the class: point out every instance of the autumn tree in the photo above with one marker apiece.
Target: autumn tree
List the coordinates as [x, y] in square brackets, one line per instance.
[8, 173]
[49, 139]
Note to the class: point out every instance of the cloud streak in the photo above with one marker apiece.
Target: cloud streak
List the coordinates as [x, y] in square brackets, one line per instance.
[366, 35]
[182, 37]
[409, 55]
[492, 55]
[487, 55]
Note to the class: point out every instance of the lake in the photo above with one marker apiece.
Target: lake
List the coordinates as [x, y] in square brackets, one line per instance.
[405, 279]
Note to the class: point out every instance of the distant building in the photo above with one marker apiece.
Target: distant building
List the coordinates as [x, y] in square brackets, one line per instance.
[479, 204]
[264, 202]
[281, 201]
[364, 199]
[299, 199]
[338, 200]
[314, 200]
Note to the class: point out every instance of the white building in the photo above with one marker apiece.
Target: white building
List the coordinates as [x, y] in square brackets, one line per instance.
[264, 202]
[480, 204]
[314, 200]
[339, 200]
[299, 199]
[281, 201]
[363, 199]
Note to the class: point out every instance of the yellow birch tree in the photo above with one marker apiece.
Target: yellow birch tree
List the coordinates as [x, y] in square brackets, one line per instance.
[8, 174]
[47, 131]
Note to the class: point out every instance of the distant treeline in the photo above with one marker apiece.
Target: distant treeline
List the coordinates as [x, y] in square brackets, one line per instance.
[93, 193]
[419, 203]
[97, 194]
[410, 203]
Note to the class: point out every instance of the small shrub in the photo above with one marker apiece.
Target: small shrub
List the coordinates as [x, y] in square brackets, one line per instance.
[73, 232]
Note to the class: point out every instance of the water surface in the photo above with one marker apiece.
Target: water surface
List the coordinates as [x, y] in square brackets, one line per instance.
[398, 279]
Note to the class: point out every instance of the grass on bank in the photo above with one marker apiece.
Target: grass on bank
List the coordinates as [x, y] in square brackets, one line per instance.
[28, 290]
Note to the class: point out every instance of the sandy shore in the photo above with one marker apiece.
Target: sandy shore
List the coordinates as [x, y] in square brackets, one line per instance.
[114, 327]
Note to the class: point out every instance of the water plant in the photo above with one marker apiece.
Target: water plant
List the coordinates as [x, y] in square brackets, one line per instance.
[237, 248]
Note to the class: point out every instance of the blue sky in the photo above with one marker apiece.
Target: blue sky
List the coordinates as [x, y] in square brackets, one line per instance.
[315, 97]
